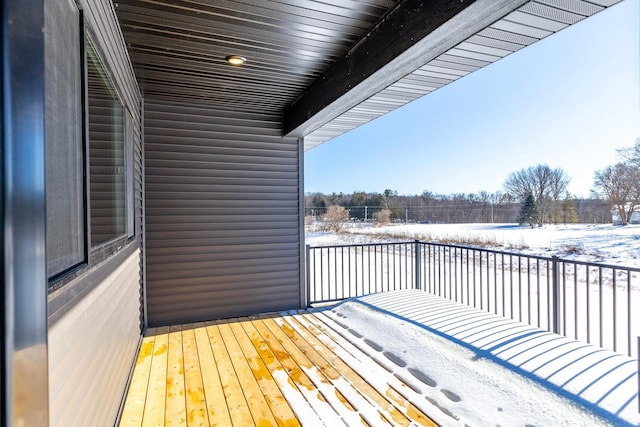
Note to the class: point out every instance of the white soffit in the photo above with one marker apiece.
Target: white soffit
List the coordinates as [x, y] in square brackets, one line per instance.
[524, 26]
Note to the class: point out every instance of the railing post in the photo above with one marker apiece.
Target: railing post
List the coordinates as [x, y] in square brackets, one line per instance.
[418, 263]
[638, 357]
[305, 292]
[555, 283]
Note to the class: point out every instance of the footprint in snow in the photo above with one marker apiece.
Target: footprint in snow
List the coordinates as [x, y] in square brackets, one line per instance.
[422, 377]
[442, 408]
[395, 359]
[373, 345]
[450, 395]
[354, 333]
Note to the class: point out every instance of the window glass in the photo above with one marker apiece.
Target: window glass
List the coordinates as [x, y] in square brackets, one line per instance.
[66, 232]
[107, 176]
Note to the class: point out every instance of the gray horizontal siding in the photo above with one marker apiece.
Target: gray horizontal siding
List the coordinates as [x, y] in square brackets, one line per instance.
[222, 205]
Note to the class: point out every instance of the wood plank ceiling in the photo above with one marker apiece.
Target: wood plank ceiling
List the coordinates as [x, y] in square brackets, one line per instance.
[178, 49]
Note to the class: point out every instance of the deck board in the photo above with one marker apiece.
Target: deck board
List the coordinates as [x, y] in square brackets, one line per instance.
[196, 403]
[278, 405]
[239, 411]
[175, 405]
[319, 374]
[258, 406]
[350, 392]
[217, 410]
[153, 414]
[304, 410]
[286, 369]
[296, 376]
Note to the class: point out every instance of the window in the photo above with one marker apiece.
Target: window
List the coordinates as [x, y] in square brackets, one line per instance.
[107, 168]
[65, 164]
[88, 132]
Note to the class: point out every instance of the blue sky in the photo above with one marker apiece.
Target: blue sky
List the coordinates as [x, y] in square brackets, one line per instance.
[567, 101]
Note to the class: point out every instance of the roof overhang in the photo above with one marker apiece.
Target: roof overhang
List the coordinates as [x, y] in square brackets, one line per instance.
[326, 66]
[410, 36]
[476, 36]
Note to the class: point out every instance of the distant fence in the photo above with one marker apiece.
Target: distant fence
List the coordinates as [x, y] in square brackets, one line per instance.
[585, 301]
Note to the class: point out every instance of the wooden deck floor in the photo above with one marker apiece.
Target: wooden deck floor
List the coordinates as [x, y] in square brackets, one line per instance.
[287, 370]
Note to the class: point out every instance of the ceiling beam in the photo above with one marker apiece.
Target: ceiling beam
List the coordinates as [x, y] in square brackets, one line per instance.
[411, 35]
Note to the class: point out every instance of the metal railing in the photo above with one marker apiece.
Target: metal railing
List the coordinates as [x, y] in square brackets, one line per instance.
[346, 271]
[585, 301]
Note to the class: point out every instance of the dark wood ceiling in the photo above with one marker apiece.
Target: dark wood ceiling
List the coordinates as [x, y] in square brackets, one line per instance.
[178, 47]
[299, 51]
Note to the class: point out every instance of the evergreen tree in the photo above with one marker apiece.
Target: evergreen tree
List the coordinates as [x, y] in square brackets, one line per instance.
[318, 205]
[569, 213]
[528, 212]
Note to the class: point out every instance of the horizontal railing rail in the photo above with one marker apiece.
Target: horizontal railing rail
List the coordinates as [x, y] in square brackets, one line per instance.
[586, 301]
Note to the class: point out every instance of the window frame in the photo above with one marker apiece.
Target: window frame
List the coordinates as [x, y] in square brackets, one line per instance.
[130, 172]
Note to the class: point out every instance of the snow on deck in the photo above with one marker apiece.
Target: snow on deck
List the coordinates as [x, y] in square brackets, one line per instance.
[481, 369]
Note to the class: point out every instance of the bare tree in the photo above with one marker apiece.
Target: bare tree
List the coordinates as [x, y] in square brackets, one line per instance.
[546, 185]
[382, 217]
[631, 154]
[558, 185]
[620, 185]
[335, 218]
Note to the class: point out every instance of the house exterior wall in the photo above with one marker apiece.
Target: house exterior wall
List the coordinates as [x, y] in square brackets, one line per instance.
[91, 350]
[617, 220]
[95, 311]
[222, 214]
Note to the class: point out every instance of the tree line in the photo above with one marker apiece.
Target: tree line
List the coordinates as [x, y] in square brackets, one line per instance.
[428, 207]
[535, 195]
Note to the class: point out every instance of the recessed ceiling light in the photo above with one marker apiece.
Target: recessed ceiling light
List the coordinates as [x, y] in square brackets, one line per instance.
[235, 60]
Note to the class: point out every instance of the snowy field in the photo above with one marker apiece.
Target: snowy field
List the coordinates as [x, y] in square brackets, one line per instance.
[603, 243]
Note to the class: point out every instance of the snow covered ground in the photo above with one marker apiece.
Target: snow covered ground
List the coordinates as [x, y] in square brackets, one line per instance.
[477, 369]
[602, 243]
